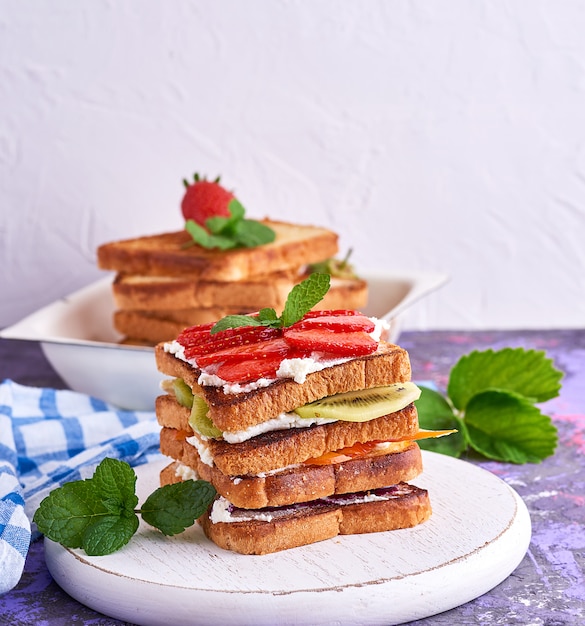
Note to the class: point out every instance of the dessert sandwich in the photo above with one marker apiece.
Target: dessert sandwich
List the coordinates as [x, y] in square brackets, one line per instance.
[305, 424]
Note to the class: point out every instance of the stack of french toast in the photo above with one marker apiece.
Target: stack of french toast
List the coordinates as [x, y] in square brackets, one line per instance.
[163, 284]
[306, 431]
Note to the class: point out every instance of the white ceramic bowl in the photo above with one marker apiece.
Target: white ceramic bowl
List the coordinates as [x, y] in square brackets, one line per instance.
[78, 339]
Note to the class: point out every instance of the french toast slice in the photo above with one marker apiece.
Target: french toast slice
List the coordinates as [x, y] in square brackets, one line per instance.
[233, 412]
[170, 254]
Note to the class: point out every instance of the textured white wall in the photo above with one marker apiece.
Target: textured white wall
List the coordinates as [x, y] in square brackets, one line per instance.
[442, 135]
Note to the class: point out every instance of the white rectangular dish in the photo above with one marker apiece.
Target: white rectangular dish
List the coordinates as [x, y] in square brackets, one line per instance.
[77, 337]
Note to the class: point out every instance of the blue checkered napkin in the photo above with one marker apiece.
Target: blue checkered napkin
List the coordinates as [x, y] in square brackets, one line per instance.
[50, 437]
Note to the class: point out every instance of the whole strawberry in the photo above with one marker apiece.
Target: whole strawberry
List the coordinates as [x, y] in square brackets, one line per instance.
[204, 199]
[216, 219]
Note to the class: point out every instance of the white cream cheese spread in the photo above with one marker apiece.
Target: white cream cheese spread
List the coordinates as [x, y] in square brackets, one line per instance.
[199, 442]
[184, 472]
[282, 422]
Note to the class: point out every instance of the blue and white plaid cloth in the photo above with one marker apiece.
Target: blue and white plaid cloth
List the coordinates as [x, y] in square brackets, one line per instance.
[50, 437]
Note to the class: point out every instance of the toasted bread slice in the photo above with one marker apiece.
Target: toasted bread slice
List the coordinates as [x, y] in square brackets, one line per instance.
[150, 293]
[155, 324]
[152, 327]
[170, 293]
[291, 527]
[237, 411]
[281, 448]
[167, 255]
[300, 483]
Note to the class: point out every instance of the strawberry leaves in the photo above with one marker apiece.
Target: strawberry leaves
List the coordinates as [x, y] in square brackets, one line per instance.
[491, 399]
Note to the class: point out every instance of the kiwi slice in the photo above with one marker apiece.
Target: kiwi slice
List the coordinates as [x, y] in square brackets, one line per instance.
[200, 422]
[362, 405]
[183, 393]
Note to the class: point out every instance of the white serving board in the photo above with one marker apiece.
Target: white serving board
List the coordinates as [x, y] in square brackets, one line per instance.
[478, 533]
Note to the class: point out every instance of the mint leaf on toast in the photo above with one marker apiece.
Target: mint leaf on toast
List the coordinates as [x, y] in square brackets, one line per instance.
[301, 299]
[226, 233]
[304, 296]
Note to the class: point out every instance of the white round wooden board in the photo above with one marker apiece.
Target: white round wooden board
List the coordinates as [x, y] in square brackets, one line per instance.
[478, 534]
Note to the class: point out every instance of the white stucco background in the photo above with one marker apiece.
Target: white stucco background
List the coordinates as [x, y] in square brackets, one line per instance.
[443, 135]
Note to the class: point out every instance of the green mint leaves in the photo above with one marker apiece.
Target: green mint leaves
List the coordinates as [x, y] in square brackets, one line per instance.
[491, 399]
[99, 514]
[302, 298]
[235, 231]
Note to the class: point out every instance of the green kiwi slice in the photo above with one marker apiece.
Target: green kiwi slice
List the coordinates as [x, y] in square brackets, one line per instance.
[362, 405]
[200, 422]
[183, 392]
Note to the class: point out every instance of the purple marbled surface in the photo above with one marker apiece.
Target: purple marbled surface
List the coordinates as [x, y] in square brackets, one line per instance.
[547, 588]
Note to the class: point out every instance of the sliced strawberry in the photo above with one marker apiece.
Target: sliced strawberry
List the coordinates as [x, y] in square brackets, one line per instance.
[337, 323]
[338, 344]
[335, 312]
[229, 339]
[247, 371]
[260, 350]
[204, 199]
[194, 335]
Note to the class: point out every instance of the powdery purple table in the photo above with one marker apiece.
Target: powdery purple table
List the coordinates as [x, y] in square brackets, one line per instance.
[547, 589]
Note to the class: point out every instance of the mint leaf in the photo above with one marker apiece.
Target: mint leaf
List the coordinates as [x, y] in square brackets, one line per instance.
[173, 508]
[435, 413]
[66, 513]
[227, 225]
[97, 514]
[250, 233]
[206, 240]
[230, 232]
[234, 321]
[268, 317]
[304, 296]
[526, 372]
[109, 534]
[505, 426]
[115, 483]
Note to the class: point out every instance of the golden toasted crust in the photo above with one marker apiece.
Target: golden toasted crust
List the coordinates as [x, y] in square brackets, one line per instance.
[269, 537]
[152, 327]
[320, 522]
[155, 293]
[169, 293]
[156, 323]
[166, 255]
[281, 448]
[298, 484]
[233, 412]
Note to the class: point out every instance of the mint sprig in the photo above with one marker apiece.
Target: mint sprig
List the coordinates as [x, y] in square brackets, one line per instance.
[490, 400]
[235, 231]
[301, 299]
[99, 514]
